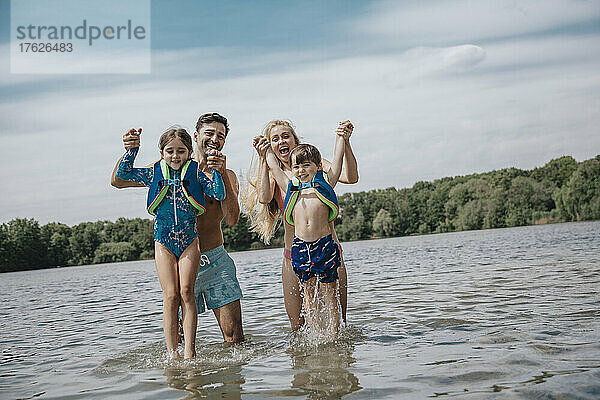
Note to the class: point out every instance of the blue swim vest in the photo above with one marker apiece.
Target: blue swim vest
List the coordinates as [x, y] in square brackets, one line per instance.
[323, 190]
[189, 184]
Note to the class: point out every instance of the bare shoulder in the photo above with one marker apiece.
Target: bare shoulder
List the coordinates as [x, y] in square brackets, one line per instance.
[232, 177]
[326, 164]
[233, 180]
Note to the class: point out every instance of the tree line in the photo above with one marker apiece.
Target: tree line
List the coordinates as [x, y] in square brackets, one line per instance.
[560, 191]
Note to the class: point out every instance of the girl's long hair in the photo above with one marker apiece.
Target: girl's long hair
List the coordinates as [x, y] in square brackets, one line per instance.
[264, 218]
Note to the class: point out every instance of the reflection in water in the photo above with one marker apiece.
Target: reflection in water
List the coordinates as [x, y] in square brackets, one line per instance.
[220, 383]
[323, 367]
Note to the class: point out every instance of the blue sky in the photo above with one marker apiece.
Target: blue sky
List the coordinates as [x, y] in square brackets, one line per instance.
[436, 88]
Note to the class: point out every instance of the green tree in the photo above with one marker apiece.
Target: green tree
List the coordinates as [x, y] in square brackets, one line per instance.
[579, 199]
[25, 245]
[55, 237]
[525, 196]
[383, 224]
[239, 236]
[467, 204]
[114, 252]
[495, 216]
[557, 171]
[84, 240]
[4, 248]
[354, 227]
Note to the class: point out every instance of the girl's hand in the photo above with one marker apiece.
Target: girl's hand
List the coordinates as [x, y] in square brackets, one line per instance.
[261, 144]
[131, 139]
[345, 129]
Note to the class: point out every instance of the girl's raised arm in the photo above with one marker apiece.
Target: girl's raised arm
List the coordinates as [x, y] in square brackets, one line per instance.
[127, 172]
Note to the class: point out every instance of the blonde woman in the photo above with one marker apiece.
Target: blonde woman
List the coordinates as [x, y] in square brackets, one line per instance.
[264, 197]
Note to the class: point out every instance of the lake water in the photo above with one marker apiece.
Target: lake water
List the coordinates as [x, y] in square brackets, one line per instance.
[508, 313]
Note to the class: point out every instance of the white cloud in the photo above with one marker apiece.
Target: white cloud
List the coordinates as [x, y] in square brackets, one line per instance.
[445, 22]
[420, 114]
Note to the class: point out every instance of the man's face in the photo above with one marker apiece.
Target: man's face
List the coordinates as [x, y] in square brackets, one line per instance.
[210, 136]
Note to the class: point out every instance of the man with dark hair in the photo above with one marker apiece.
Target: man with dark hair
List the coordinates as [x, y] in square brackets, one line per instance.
[216, 284]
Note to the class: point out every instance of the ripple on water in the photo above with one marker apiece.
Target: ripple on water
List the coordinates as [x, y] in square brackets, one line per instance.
[509, 313]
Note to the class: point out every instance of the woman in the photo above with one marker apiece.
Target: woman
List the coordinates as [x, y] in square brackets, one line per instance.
[263, 200]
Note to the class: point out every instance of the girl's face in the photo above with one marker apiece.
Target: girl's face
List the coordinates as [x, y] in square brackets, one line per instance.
[175, 153]
[282, 142]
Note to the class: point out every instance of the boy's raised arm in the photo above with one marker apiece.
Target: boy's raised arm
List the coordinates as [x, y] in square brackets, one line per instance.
[281, 178]
[349, 172]
[338, 157]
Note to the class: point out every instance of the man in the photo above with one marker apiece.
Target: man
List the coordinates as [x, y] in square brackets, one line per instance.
[216, 284]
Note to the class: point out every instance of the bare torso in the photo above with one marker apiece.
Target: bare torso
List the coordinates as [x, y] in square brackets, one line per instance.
[310, 216]
[209, 225]
[210, 233]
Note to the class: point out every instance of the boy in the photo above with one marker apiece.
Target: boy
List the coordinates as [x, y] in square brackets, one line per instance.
[310, 206]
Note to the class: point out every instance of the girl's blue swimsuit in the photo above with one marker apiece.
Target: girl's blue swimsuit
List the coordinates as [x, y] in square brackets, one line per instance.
[175, 222]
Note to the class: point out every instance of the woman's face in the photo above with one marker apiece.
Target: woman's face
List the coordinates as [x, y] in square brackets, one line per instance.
[282, 142]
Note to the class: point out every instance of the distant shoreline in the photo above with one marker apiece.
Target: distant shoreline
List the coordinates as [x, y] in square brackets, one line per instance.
[563, 190]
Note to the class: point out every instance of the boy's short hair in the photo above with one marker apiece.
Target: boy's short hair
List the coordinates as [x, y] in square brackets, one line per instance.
[305, 152]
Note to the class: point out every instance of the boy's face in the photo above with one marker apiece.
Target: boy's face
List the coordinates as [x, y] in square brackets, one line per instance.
[304, 171]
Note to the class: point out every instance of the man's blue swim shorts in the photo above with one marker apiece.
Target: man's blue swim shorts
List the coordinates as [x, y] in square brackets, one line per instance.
[216, 283]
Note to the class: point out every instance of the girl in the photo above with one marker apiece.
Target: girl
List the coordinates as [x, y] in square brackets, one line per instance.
[176, 197]
[264, 197]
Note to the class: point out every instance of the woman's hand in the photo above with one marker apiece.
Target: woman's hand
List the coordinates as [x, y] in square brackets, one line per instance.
[131, 139]
[261, 144]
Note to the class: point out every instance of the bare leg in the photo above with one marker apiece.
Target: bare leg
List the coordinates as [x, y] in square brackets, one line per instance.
[328, 292]
[292, 296]
[311, 302]
[229, 318]
[188, 269]
[343, 287]
[166, 269]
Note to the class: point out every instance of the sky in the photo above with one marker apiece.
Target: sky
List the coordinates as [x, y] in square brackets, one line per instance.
[434, 89]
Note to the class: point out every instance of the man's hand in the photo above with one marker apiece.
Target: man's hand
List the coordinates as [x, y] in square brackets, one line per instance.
[131, 138]
[261, 144]
[216, 160]
[345, 129]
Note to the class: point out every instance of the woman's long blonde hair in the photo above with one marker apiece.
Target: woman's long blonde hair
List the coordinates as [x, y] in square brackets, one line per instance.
[264, 218]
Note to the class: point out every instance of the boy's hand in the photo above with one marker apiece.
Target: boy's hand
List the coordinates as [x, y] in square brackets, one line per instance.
[131, 139]
[261, 144]
[345, 129]
[216, 160]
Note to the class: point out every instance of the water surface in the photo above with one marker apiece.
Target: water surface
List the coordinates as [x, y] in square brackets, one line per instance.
[508, 313]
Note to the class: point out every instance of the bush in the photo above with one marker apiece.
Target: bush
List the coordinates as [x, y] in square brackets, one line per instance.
[114, 252]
